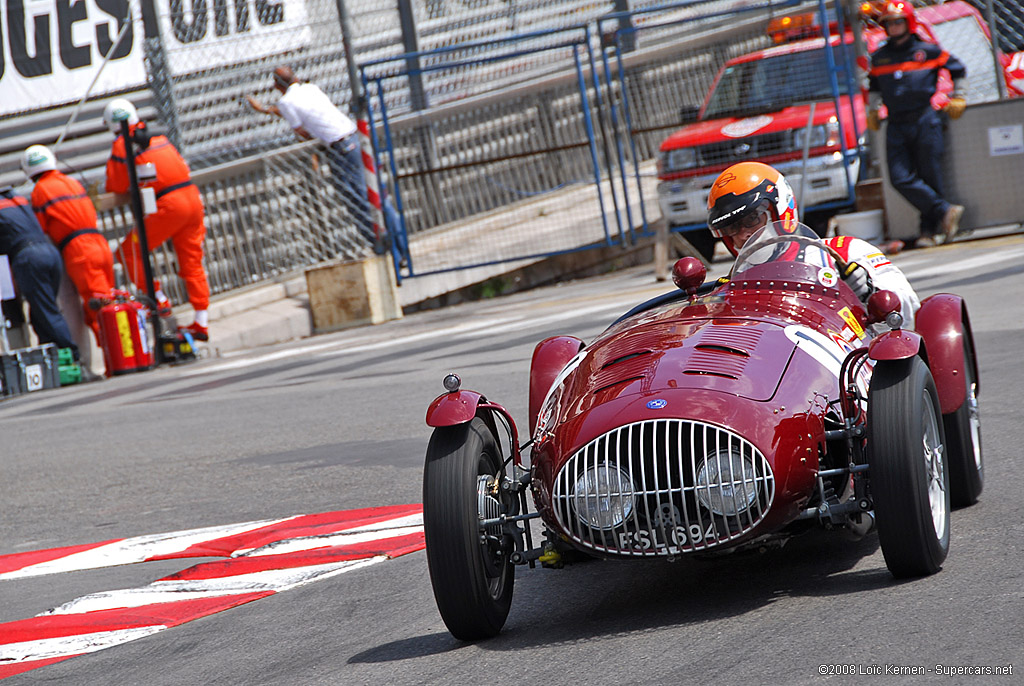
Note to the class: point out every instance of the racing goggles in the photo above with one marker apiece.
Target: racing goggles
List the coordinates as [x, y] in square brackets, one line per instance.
[751, 219]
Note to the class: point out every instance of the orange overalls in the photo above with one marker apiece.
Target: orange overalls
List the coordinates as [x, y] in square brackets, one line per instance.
[69, 219]
[179, 215]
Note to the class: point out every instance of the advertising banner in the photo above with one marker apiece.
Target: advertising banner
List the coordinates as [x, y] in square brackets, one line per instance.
[205, 34]
[52, 50]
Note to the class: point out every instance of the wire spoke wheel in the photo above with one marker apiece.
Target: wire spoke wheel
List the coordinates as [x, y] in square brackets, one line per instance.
[907, 459]
[470, 567]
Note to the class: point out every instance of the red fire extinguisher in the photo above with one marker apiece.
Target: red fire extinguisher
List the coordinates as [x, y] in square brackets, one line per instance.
[123, 336]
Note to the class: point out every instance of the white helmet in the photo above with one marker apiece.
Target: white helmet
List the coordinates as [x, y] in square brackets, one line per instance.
[37, 159]
[118, 110]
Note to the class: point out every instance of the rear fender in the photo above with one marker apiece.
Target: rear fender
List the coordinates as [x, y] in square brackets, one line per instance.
[549, 358]
[942, 322]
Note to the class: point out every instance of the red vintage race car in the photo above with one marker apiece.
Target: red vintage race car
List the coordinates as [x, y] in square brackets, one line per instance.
[721, 416]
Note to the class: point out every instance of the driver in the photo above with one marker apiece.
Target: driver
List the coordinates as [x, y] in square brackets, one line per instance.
[747, 196]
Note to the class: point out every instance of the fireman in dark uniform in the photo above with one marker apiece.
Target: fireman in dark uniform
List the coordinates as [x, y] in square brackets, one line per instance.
[904, 75]
[36, 267]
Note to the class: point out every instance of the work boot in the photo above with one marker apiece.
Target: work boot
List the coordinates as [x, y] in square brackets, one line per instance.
[198, 331]
[951, 222]
[163, 308]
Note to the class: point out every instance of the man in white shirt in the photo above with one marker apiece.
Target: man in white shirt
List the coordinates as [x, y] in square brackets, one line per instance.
[311, 114]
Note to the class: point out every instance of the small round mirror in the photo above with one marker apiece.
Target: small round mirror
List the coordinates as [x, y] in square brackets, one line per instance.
[881, 304]
[688, 274]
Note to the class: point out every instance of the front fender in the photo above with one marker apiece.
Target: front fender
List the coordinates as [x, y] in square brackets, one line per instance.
[895, 345]
[942, 321]
[549, 358]
[450, 409]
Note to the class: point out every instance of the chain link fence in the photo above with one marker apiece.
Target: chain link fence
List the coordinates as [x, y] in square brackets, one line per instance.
[260, 228]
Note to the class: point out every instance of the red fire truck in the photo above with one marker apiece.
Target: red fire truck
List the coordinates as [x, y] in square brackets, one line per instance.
[771, 104]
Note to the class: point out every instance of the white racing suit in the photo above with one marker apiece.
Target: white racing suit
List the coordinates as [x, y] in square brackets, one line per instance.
[884, 274]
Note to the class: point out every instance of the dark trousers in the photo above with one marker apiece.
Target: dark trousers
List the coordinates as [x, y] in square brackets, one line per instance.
[37, 269]
[348, 176]
[914, 147]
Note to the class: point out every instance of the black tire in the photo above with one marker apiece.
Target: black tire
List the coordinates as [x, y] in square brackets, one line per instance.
[907, 466]
[963, 439]
[472, 580]
[702, 241]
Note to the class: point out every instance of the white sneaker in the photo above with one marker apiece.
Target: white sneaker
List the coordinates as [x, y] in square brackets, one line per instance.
[951, 222]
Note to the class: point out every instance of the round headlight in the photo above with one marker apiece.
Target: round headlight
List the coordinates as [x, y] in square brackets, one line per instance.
[726, 484]
[603, 497]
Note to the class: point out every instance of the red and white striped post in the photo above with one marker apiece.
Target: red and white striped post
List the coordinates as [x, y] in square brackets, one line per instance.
[370, 171]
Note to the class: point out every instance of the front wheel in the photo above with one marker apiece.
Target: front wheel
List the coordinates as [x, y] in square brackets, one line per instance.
[470, 569]
[963, 436]
[909, 479]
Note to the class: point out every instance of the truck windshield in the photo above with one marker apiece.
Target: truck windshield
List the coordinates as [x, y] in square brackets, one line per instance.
[773, 83]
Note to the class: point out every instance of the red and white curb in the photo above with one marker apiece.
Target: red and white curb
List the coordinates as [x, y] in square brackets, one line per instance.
[262, 558]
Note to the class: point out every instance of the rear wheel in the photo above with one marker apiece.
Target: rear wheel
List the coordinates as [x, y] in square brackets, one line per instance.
[909, 480]
[470, 569]
[963, 437]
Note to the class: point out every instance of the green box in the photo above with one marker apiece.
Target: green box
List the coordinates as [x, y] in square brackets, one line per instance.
[70, 374]
[65, 356]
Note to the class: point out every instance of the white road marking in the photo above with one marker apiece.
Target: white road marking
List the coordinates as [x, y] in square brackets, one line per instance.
[49, 648]
[976, 263]
[273, 580]
[345, 346]
[344, 538]
[136, 549]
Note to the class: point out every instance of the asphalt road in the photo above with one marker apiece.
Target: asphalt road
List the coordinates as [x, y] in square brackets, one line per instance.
[337, 422]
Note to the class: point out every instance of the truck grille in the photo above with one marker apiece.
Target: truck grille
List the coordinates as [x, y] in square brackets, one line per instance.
[636, 491]
[741, 149]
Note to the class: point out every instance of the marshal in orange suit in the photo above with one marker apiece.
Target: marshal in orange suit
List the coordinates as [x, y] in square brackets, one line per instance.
[179, 215]
[68, 217]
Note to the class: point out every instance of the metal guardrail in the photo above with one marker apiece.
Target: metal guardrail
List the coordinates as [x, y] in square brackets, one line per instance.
[266, 217]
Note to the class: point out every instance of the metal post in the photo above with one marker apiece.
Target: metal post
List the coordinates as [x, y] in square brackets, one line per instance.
[860, 54]
[140, 225]
[990, 17]
[625, 31]
[358, 103]
[159, 72]
[360, 112]
[418, 101]
[410, 43]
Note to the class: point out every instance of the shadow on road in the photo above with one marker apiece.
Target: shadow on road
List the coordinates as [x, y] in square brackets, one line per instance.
[598, 600]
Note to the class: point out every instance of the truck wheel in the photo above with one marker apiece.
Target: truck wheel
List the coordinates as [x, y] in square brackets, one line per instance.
[702, 241]
[470, 569]
[907, 467]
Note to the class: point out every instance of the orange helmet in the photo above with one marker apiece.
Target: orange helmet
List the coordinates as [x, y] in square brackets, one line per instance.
[743, 194]
[899, 9]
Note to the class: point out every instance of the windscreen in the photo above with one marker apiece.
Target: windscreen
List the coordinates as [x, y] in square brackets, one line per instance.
[771, 84]
[786, 250]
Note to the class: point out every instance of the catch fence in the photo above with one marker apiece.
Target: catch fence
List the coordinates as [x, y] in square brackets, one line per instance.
[485, 147]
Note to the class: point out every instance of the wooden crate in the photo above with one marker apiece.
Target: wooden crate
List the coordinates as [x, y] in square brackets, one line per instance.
[344, 294]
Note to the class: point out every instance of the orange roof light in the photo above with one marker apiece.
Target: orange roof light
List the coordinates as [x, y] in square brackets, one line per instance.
[794, 27]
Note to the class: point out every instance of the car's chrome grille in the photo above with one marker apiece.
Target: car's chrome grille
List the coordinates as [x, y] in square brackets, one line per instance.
[670, 514]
